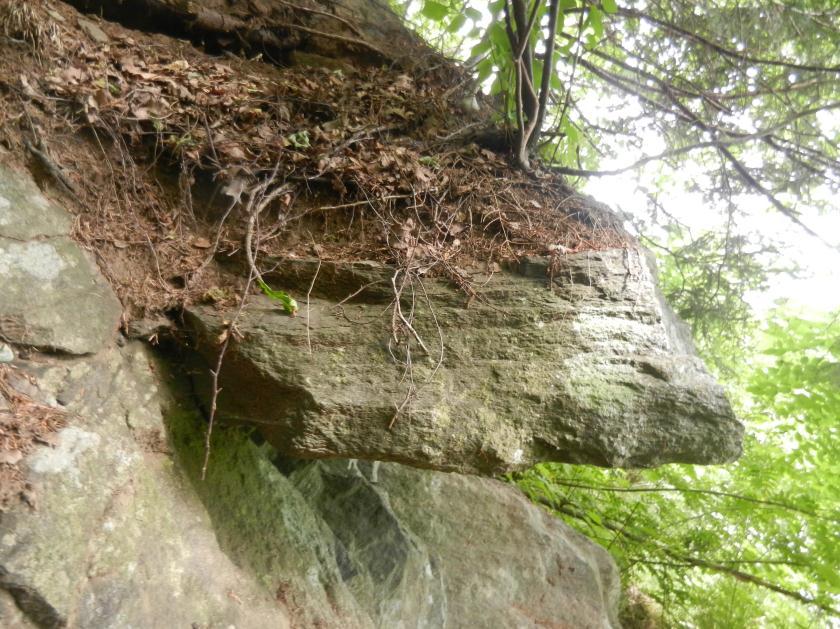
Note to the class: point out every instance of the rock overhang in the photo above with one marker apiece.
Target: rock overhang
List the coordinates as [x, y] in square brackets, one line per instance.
[575, 358]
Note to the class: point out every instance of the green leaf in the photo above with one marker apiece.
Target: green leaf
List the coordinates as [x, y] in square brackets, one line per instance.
[481, 47]
[457, 22]
[435, 10]
[483, 70]
[498, 37]
[285, 300]
[596, 22]
[496, 87]
[572, 134]
[299, 139]
[473, 14]
[609, 6]
[565, 49]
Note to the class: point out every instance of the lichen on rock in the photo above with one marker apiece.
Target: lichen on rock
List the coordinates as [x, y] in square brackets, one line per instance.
[53, 296]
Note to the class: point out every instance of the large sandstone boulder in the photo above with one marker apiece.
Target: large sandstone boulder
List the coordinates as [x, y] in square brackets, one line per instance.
[117, 528]
[586, 366]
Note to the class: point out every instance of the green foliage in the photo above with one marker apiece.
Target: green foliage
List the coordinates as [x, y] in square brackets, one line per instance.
[435, 10]
[741, 99]
[284, 299]
[299, 139]
[487, 45]
[705, 280]
[745, 93]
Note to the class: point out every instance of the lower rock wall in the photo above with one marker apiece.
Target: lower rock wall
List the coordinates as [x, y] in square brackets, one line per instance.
[117, 536]
[126, 534]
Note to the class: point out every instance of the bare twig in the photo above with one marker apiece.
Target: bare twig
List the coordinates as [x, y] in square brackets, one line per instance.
[688, 490]
[357, 291]
[308, 293]
[214, 383]
[398, 309]
[155, 258]
[342, 38]
[338, 18]
[51, 167]
[343, 206]
[259, 197]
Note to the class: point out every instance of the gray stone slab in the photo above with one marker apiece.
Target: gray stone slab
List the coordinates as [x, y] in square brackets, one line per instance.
[52, 295]
[25, 213]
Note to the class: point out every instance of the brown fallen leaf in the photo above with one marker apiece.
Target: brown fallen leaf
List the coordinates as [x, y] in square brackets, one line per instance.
[10, 457]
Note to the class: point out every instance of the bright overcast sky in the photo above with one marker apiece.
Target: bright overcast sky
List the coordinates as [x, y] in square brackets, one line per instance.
[819, 291]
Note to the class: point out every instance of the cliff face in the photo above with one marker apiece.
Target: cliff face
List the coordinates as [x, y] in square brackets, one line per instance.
[453, 315]
[117, 529]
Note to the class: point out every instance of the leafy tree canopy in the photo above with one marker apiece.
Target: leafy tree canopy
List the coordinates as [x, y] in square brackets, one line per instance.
[745, 88]
[736, 101]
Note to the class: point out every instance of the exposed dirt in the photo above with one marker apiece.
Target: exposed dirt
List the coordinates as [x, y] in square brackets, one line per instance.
[157, 146]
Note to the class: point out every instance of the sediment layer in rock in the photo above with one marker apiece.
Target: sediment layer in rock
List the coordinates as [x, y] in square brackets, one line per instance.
[586, 366]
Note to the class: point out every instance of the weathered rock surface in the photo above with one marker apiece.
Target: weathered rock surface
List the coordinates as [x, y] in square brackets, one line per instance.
[53, 296]
[415, 549]
[120, 531]
[464, 565]
[595, 369]
[119, 539]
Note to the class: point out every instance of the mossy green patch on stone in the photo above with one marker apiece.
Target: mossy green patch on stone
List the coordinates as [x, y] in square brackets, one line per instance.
[262, 521]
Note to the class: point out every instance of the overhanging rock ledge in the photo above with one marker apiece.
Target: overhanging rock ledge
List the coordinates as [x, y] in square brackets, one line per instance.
[577, 361]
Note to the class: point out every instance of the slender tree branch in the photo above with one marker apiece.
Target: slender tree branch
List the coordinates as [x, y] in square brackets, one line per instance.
[548, 71]
[695, 562]
[685, 490]
[733, 562]
[720, 49]
[781, 207]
